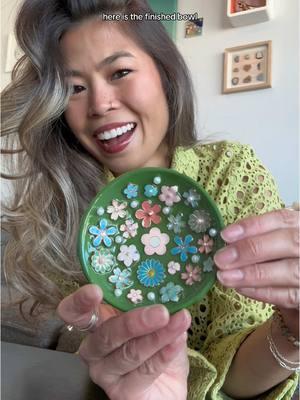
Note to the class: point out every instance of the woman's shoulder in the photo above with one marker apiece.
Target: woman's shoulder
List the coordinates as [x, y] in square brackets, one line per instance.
[213, 158]
[222, 148]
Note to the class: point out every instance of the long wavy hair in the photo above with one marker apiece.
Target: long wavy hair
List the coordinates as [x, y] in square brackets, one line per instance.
[53, 177]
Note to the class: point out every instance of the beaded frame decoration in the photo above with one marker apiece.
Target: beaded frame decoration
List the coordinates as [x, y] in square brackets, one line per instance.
[149, 237]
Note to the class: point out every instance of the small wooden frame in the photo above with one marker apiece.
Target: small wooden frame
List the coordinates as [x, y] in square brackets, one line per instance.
[247, 67]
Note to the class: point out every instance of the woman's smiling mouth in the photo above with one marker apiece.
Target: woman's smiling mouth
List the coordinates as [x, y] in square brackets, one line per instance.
[114, 138]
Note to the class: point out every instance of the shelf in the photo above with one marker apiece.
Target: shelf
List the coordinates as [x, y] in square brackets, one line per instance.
[252, 16]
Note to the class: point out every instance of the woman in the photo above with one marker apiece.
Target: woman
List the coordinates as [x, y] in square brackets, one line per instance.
[80, 79]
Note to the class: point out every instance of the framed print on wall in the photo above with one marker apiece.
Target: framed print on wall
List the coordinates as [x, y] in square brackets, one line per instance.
[247, 67]
[245, 12]
[193, 28]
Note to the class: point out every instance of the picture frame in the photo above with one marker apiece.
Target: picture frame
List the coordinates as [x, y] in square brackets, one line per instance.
[247, 12]
[247, 67]
[193, 28]
[246, 5]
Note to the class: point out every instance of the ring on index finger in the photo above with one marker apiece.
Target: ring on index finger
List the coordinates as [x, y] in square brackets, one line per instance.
[89, 326]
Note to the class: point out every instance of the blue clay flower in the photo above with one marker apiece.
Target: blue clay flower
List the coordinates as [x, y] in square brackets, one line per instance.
[121, 278]
[183, 247]
[208, 265]
[191, 197]
[175, 223]
[170, 292]
[150, 273]
[102, 233]
[150, 191]
[102, 260]
[131, 191]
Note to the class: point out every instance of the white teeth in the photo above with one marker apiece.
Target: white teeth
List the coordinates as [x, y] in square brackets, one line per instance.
[106, 135]
[114, 133]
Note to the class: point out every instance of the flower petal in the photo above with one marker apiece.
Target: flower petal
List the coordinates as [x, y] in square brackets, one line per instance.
[146, 206]
[183, 256]
[103, 223]
[188, 239]
[192, 249]
[146, 222]
[155, 219]
[175, 251]
[107, 241]
[156, 208]
[140, 214]
[178, 240]
[94, 230]
[97, 241]
[112, 230]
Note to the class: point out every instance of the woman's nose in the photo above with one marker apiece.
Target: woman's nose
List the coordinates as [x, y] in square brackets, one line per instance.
[101, 102]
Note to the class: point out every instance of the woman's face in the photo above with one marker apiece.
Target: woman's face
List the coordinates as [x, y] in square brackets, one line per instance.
[118, 109]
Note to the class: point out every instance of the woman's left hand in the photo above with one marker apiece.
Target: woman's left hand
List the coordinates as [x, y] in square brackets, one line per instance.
[261, 260]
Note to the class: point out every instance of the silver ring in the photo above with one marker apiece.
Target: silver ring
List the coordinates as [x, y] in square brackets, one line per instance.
[91, 324]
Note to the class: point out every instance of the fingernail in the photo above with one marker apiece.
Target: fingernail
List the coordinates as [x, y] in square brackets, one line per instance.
[233, 275]
[233, 232]
[225, 256]
[155, 315]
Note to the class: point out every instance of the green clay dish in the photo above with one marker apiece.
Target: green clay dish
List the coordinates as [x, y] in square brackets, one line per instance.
[149, 237]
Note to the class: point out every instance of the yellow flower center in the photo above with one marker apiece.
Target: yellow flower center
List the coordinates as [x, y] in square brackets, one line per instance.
[151, 273]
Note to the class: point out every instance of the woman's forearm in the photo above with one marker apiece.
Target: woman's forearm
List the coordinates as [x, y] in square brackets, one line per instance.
[254, 369]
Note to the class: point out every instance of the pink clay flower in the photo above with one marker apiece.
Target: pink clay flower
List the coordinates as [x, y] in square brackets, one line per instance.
[191, 275]
[155, 242]
[169, 195]
[206, 244]
[148, 214]
[135, 296]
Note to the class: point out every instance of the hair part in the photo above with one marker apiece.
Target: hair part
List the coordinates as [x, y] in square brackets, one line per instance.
[53, 176]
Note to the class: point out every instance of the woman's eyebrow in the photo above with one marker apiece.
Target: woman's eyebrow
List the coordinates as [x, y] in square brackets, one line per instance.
[107, 61]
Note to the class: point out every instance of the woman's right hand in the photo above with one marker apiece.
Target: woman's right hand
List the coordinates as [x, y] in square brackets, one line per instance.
[137, 355]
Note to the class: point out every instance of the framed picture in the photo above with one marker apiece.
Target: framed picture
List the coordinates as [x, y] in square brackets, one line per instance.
[245, 5]
[247, 67]
[193, 28]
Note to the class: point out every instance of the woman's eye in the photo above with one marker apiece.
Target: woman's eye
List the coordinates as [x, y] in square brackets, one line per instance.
[77, 89]
[121, 73]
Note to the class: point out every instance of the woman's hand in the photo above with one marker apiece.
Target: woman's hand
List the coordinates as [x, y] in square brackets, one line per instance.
[140, 354]
[262, 260]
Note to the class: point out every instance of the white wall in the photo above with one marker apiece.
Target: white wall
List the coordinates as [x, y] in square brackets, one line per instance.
[267, 119]
[8, 14]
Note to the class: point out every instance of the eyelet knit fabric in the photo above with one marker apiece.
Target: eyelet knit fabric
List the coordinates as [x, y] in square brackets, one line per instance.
[241, 186]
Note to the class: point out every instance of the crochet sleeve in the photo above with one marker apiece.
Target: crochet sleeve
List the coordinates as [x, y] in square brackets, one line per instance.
[241, 186]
